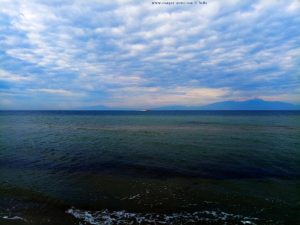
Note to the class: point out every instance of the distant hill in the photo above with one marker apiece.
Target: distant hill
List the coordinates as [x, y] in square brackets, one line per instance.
[97, 107]
[253, 104]
[102, 108]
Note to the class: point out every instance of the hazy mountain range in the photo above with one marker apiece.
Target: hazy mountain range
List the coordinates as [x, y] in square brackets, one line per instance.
[253, 104]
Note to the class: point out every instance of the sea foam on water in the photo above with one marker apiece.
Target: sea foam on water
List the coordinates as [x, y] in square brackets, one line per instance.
[107, 217]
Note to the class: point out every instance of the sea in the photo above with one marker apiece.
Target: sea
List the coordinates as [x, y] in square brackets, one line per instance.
[149, 167]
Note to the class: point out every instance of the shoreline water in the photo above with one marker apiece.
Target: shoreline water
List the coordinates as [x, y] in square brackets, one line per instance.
[193, 166]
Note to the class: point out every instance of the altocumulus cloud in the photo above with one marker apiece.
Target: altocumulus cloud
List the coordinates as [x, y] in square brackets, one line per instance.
[68, 54]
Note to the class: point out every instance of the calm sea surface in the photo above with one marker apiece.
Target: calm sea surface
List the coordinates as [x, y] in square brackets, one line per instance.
[154, 167]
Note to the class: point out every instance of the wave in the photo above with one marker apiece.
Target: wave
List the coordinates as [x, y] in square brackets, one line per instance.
[13, 218]
[107, 217]
[208, 170]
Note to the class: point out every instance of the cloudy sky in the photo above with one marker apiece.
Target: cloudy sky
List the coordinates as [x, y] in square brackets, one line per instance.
[135, 54]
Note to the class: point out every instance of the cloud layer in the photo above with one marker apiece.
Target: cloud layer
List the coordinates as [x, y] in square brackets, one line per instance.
[135, 54]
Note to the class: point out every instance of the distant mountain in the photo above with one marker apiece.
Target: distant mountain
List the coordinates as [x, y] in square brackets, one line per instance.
[97, 107]
[102, 108]
[253, 104]
[178, 107]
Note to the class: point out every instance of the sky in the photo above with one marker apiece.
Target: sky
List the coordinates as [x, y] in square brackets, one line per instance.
[136, 54]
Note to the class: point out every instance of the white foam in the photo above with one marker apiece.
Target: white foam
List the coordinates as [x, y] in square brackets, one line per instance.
[13, 218]
[132, 197]
[107, 217]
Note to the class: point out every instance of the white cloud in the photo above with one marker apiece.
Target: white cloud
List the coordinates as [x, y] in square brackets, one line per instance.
[111, 47]
[154, 96]
[61, 92]
[10, 77]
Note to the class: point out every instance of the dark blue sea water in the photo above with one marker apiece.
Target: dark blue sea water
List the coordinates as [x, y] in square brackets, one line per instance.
[152, 167]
